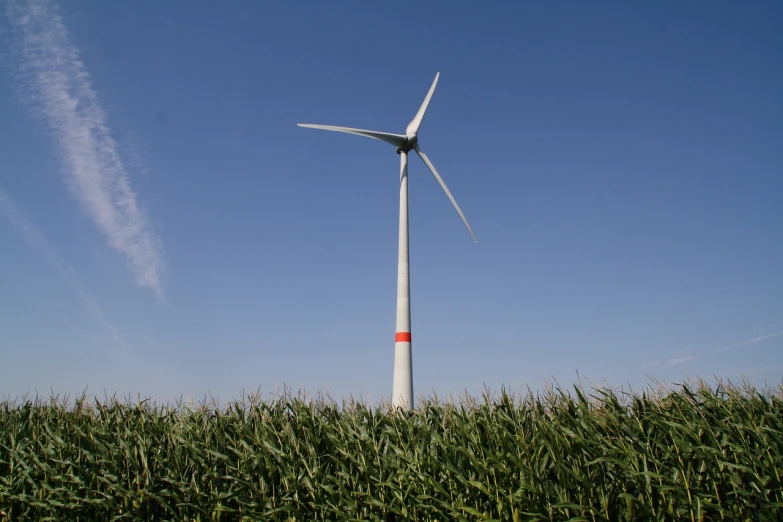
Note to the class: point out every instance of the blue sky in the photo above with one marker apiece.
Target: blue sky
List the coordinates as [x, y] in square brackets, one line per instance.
[168, 231]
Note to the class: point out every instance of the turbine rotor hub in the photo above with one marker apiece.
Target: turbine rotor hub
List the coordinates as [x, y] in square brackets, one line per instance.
[411, 140]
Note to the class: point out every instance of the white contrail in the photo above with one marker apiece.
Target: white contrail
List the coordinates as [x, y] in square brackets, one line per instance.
[53, 76]
[35, 238]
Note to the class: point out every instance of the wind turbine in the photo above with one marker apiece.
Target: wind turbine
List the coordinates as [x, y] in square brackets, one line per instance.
[402, 389]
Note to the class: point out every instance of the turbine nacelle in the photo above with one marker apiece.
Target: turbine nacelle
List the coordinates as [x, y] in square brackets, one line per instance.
[410, 143]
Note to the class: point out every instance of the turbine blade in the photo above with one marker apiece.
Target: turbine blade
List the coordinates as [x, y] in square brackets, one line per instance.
[395, 139]
[413, 126]
[445, 189]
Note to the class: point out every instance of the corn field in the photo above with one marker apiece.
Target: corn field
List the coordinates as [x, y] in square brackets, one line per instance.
[687, 454]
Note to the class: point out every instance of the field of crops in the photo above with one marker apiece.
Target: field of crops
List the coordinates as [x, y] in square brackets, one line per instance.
[702, 454]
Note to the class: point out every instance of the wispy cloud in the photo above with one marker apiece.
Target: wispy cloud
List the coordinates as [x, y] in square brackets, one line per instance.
[756, 338]
[679, 360]
[35, 238]
[686, 354]
[674, 361]
[764, 337]
[52, 75]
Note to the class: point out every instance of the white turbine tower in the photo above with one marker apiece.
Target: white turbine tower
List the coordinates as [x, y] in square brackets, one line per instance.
[402, 390]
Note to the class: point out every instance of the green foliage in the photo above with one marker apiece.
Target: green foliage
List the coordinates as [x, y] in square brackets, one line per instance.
[682, 455]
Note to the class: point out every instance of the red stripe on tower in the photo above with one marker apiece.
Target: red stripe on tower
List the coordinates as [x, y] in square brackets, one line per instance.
[402, 337]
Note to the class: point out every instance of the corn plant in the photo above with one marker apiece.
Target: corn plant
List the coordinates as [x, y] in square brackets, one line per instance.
[694, 453]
